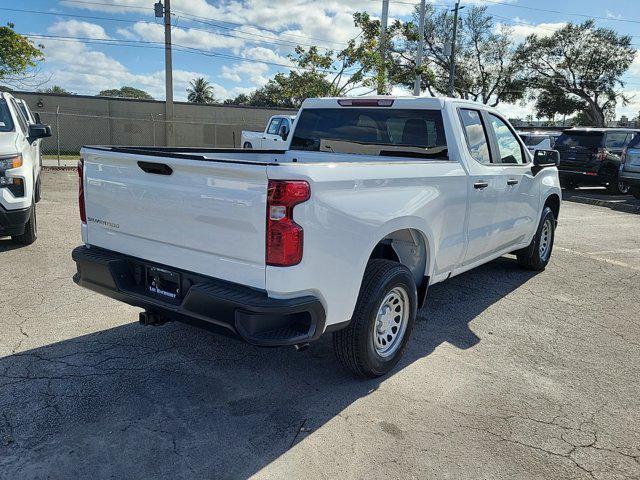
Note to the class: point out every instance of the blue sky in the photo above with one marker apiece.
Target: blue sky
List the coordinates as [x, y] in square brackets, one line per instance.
[237, 45]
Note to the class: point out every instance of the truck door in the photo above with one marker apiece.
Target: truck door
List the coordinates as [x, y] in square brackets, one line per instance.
[272, 134]
[518, 215]
[485, 188]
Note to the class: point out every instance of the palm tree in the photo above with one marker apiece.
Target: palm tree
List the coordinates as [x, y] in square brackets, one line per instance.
[200, 91]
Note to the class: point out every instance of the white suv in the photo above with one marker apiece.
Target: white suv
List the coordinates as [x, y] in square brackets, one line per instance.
[20, 135]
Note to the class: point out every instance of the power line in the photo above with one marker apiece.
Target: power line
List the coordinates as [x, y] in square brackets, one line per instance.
[251, 38]
[583, 15]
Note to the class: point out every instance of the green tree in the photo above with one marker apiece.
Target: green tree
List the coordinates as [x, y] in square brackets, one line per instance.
[18, 58]
[486, 67]
[552, 102]
[582, 63]
[200, 91]
[57, 89]
[126, 92]
[241, 99]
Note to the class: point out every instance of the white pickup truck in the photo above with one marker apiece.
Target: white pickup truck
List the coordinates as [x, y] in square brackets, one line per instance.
[274, 136]
[20, 134]
[373, 200]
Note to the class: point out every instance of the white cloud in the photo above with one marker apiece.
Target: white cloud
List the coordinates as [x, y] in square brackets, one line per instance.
[523, 29]
[186, 37]
[241, 72]
[75, 28]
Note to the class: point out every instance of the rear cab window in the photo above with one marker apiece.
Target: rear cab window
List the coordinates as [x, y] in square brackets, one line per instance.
[6, 121]
[414, 133]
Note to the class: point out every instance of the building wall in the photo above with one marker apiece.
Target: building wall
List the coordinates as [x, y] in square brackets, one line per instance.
[78, 120]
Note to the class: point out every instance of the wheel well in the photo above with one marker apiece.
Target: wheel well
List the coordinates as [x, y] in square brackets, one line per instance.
[553, 202]
[407, 247]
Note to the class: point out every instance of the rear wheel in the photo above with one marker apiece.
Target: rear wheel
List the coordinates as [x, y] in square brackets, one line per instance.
[635, 191]
[30, 229]
[537, 255]
[382, 322]
[618, 187]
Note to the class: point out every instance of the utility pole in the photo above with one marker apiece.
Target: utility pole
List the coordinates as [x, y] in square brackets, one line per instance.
[452, 66]
[382, 74]
[416, 85]
[168, 70]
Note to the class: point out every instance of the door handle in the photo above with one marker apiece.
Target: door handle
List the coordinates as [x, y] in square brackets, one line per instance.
[155, 168]
[480, 185]
[512, 181]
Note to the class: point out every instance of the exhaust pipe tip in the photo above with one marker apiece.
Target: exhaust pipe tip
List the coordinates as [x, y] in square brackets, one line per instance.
[301, 347]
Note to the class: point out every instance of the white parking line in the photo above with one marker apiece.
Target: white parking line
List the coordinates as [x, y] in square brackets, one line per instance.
[598, 258]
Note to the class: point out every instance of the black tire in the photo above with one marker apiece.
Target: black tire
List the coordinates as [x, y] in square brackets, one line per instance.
[532, 257]
[616, 187]
[355, 345]
[247, 145]
[635, 191]
[30, 229]
[38, 190]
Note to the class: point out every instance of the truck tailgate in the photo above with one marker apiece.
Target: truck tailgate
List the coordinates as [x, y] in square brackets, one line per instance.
[206, 216]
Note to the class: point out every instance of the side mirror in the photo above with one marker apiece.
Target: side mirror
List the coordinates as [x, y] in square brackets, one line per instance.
[546, 158]
[38, 130]
[284, 132]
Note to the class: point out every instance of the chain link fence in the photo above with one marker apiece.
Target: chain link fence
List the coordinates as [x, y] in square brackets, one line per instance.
[70, 131]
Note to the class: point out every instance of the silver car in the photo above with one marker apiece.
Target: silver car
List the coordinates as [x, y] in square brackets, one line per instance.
[630, 166]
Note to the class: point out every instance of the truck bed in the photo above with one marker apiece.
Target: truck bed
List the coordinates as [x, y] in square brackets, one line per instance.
[196, 209]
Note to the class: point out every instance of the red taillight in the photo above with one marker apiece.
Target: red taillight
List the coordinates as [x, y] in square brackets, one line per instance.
[601, 154]
[623, 155]
[83, 212]
[284, 236]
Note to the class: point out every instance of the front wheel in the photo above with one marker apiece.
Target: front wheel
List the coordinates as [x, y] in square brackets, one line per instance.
[537, 255]
[247, 146]
[382, 322]
[30, 229]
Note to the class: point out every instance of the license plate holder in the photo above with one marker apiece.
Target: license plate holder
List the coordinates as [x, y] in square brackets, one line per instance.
[163, 284]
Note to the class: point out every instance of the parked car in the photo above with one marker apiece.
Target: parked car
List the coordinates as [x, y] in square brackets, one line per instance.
[20, 185]
[539, 140]
[630, 166]
[274, 136]
[373, 200]
[591, 156]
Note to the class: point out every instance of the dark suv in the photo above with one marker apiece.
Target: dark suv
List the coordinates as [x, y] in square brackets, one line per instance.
[591, 156]
[630, 166]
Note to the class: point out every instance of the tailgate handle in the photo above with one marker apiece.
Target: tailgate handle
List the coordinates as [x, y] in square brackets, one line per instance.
[156, 168]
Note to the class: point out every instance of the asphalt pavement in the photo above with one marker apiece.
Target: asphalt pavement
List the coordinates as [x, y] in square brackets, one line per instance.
[509, 375]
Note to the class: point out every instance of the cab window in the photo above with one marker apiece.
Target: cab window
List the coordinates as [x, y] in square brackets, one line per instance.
[274, 126]
[475, 135]
[508, 145]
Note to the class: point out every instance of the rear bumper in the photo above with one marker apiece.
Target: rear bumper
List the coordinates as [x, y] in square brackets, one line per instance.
[630, 178]
[248, 312]
[12, 222]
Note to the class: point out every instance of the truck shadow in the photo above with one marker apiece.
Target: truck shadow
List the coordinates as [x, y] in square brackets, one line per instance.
[174, 401]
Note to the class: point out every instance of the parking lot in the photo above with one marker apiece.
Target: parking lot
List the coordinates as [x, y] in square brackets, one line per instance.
[509, 374]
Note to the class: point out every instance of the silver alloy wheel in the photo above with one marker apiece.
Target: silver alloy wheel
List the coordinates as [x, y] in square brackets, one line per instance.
[624, 189]
[391, 322]
[545, 239]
